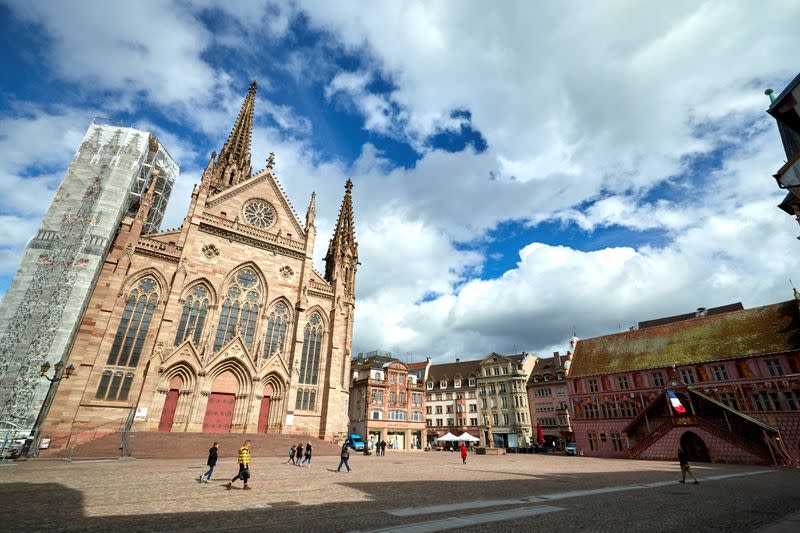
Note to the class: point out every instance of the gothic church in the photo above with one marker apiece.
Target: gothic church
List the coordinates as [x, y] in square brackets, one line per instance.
[222, 325]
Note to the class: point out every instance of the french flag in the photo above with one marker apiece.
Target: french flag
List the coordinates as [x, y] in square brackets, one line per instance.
[676, 403]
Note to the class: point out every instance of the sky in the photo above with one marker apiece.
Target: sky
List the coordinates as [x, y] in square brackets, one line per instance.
[520, 172]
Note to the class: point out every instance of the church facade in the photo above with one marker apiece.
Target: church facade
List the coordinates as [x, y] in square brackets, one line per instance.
[222, 325]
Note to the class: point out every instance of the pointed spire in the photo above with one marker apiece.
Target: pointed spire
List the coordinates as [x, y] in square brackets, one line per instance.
[344, 238]
[311, 214]
[233, 164]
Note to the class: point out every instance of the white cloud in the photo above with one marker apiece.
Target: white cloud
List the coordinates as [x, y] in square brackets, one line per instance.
[591, 110]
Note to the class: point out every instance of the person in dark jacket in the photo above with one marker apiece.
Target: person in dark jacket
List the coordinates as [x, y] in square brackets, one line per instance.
[299, 455]
[683, 459]
[345, 456]
[291, 455]
[212, 462]
[307, 459]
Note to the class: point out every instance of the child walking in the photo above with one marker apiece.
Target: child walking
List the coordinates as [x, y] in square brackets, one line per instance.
[244, 466]
[291, 455]
[212, 461]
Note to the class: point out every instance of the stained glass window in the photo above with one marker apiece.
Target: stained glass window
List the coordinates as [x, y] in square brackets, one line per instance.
[277, 324]
[136, 317]
[312, 345]
[193, 317]
[239, 309]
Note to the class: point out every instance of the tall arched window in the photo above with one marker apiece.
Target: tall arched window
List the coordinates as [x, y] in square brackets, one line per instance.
[277, 324]
[193, 317]
[312, 345]
[239, 309]
[135, 322]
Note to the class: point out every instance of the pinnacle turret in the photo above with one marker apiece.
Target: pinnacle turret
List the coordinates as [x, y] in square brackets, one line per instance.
[342, 256]
[233, 164]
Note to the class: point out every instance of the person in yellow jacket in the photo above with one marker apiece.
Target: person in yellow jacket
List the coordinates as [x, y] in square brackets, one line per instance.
[244, 466]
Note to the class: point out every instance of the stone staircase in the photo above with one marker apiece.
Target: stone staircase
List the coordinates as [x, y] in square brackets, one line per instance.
[163, 445]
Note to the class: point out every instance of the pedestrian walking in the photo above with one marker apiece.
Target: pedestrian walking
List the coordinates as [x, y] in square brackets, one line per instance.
[683, 459]
[307, 460]
[244, 466]
[212, 461]
[291, 455]
[463, 453]
[299, 456]
[344, 456]
[383, 448]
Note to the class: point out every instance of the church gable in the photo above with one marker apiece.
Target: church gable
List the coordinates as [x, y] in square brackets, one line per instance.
[185, 352]
[235, 349]
[258, 202]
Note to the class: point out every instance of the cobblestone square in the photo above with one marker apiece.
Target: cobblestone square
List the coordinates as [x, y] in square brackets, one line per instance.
[423, 491]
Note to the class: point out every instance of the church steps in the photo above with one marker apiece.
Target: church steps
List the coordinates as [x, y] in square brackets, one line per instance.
[162, 445]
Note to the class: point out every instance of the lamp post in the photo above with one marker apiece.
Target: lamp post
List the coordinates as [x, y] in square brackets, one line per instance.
[31, 448]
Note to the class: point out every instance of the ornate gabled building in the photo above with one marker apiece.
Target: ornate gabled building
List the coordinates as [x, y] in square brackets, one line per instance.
[724, 386]
[223, 324]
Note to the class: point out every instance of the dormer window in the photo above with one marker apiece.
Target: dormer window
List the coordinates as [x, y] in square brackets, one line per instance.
[536, 379]
[429, 385]
[457, 384]
[443, 384]
[472, 382]
[547, 377]
[560, 376]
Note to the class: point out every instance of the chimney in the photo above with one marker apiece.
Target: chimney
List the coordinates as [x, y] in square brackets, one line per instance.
[458, 360]
[701, 311]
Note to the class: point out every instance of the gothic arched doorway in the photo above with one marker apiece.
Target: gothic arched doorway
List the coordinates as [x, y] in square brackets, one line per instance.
[263, 414]
[170, 404]
[221, 404]
[695, 448]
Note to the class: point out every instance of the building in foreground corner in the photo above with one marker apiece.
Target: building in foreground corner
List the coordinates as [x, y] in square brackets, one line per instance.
[723, 385]
[42, 309]
[785, 109]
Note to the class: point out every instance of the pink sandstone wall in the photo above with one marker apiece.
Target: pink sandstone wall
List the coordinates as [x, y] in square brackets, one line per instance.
[720, 451]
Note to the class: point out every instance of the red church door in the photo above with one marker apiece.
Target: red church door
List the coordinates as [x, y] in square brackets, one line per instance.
[219, 413]
[168, 412]
[263, 415]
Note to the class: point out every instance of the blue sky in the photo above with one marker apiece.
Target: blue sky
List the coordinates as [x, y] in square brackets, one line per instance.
[515, 174]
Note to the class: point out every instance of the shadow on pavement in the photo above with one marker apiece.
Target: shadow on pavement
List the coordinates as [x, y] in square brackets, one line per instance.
[54, 507]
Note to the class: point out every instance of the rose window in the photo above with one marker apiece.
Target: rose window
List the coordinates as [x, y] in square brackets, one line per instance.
[259, 213]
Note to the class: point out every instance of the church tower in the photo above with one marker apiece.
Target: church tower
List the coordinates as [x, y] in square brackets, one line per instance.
[221, 325]
[233, 164]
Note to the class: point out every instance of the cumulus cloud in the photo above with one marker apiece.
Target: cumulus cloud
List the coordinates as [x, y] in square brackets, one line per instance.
[584, 124]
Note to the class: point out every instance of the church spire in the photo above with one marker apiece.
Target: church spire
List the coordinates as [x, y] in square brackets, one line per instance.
[342, 256]
[233, 164]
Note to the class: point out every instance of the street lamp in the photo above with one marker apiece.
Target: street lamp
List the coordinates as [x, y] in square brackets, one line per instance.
[31, 448]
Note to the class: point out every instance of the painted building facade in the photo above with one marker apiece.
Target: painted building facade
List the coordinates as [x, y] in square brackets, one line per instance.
[505, 417]
[43, 306]
[736, 375]
[451, 391]
[221, 325]
[548, 400]
[387, 403]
